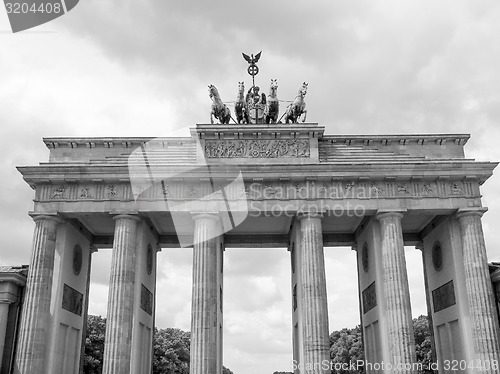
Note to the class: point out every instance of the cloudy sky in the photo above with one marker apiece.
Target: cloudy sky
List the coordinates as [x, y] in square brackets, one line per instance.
[142, 69]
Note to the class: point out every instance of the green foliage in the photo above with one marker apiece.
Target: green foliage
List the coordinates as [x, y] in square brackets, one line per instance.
[346, 346]
[170, 349]
[94, 345]
[423, 341]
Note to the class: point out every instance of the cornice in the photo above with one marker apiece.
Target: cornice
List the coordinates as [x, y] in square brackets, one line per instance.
[422, 169]
[131, 142]
[402, 139]
[109, 142]
[12, 277]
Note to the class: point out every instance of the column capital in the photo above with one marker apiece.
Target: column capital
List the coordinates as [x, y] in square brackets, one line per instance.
[49, 217]
[131, 216]
[388, 213]
[473, 211]
[14, 278]
[308, 214]
[209, 215]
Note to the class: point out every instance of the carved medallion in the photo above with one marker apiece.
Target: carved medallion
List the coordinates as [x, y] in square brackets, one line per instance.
[403, 189]
[77, 259]
[85, 193]
[364, 257]
[59, 192]
[376, 191]
[323, 191]
[437, 256]
[112, 191]
[349, 186]
[427, 189]
[456, 189]
[269, 191]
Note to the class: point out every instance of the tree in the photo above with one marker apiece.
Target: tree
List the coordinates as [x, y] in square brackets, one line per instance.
[170, 349]
[423, 343]
[346, 346]
[94, 345]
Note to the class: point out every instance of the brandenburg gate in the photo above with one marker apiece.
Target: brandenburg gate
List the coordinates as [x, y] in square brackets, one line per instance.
[258, 185]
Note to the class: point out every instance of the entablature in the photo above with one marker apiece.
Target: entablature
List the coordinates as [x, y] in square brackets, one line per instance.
[457, 170]
[293, 193]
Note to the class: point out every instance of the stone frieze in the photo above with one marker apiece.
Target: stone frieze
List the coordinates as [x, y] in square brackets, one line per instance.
[264, 148]
[265, 190]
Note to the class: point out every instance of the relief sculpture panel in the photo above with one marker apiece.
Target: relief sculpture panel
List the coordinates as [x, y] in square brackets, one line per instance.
[443, 297]
[273, 148]
[72, 300]
[268, 190]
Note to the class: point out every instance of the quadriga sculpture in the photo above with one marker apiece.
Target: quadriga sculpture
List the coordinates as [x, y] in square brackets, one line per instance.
[273, 106]
[297, 107]
[219, 110]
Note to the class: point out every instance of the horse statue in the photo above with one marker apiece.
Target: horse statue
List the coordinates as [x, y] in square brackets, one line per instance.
[219, 109]
[273, 106]
[297, 108]
[240, 106]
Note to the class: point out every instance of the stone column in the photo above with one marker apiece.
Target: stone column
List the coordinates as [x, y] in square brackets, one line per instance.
[396, 292]
[428, 300]
[4, 317]
[34, 328]
[118, 341]
[204, 303]
[479, 290]
[93, 249]
[316, 340]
